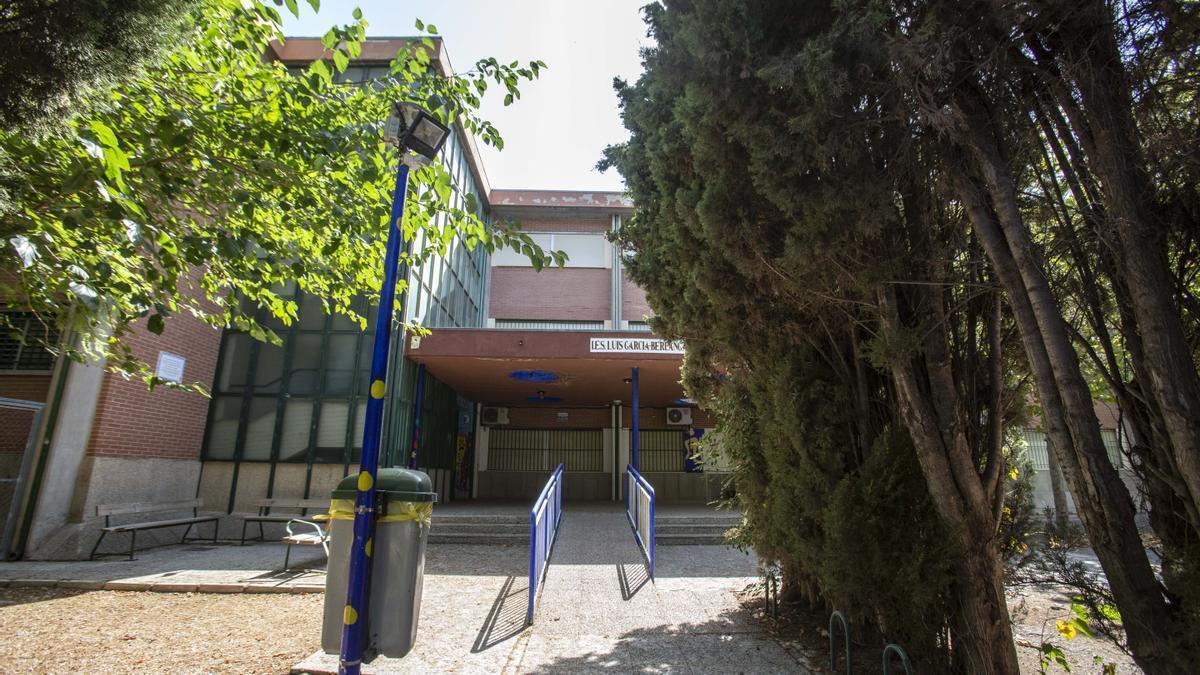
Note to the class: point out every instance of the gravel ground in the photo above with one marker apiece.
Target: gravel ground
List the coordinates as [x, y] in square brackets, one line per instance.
[59, 631]
[1034, 611]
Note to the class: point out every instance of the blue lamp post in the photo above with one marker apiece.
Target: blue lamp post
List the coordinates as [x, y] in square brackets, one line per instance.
[419, 137]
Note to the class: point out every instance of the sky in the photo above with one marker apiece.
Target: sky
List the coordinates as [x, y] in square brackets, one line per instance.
[556, 132]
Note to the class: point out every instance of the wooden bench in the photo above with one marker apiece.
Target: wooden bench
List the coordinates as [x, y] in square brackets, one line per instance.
[265, 515]
[109, 510]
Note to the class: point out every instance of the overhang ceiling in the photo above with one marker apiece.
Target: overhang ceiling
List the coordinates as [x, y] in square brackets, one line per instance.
[480, 365]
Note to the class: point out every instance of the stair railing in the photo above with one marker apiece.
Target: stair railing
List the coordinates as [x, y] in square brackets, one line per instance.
[543, 530]
[639, 508]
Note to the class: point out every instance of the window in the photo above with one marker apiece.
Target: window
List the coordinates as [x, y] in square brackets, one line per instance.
[582, 249]
[22, 343]
[533, 324]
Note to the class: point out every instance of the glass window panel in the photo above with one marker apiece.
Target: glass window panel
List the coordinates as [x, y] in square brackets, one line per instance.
[297, 420]
[360, 423]
[223, 426]
[312, 314]
[306, 360]
[583, 250]
[340, 364]
[268, 369]
[1109, 436]
[260, 428]
[235, 362]
[331, 432]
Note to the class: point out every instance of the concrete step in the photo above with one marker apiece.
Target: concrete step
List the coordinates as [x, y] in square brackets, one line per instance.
[687, 539]
[482, 528]
[477, 538]
[480, 518]
[666, 528]
[727, 521]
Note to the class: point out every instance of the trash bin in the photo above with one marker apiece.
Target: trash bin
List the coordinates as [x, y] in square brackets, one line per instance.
[406, 500]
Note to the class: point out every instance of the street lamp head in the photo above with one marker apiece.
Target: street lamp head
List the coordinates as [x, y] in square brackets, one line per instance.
[412, 128]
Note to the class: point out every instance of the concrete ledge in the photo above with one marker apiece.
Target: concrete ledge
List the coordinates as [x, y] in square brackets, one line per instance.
[147, 586]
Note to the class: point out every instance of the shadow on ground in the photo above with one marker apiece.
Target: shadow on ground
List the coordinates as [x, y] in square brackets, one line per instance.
[689, 648]
[507, 617]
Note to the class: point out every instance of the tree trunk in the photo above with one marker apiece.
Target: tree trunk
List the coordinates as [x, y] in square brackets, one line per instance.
[983, 638]
[1057, 491]
[1129, 197]
[1101, 500]
[933, 416]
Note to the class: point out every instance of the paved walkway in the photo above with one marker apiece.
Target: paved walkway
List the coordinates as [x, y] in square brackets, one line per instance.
[598, 611]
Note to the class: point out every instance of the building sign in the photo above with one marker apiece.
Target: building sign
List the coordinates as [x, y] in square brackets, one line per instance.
[170, 367]
[607, 345]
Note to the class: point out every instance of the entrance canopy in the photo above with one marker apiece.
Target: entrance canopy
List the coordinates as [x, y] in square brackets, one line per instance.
[562, 368]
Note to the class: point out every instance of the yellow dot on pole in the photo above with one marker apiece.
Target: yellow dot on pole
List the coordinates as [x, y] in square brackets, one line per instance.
[378, 388]
[367, 548]
[349, 616]
[365, 481]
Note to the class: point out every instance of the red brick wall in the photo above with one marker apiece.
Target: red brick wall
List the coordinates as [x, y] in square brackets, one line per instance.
[556, 294]
[633, 301]
[133, 422]
[547, 418]
[25, 387]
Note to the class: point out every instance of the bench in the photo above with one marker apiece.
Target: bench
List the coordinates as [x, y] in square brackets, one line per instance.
[109, 510]
[265, 506]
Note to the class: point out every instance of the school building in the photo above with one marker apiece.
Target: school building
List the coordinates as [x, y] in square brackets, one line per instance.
[521, 370]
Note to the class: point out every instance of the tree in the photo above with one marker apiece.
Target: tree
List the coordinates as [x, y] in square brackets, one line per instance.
[55, 50]
[911, 160]
[814, 226]
[209, 180]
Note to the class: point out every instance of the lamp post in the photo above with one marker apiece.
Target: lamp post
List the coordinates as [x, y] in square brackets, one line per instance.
[419, 137]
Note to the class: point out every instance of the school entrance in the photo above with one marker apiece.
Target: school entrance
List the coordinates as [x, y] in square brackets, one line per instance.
[546, 398]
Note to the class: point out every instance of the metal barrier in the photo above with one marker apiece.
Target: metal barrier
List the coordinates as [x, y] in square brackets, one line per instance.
[543, 527]
[845, 634]
[639, 508]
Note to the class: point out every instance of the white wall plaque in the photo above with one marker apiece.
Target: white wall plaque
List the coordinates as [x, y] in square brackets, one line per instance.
[607, 345]
[170, 367]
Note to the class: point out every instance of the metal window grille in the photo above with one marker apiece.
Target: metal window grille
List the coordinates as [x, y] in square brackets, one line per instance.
[22, 343]
[579, 450]
[660, 450]
[521, 324]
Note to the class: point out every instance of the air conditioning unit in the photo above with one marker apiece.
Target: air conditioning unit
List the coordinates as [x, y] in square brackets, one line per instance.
[679, 415]
[493, 416]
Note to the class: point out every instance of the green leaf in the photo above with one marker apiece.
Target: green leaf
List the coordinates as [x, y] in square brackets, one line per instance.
[419, 24]
[103, 134]
[292, 7]
[340, 61]
[357, 14]
[315, 4]
[156, 324]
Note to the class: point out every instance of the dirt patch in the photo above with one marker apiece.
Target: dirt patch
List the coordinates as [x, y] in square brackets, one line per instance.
[61, 631]
[1034, 611]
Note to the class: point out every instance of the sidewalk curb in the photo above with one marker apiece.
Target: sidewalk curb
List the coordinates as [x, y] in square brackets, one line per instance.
[165, 587]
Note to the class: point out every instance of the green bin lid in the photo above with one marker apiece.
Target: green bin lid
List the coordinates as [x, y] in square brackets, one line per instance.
[396, 485]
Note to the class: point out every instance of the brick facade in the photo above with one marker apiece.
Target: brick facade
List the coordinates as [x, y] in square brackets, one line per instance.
[133, 422]
[633, 301]
[27, 387]
[555, 294]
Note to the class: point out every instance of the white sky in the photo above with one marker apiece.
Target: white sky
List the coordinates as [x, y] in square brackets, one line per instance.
[555, 134]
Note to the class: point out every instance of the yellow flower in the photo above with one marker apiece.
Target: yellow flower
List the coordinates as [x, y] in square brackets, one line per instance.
[1065, 629]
